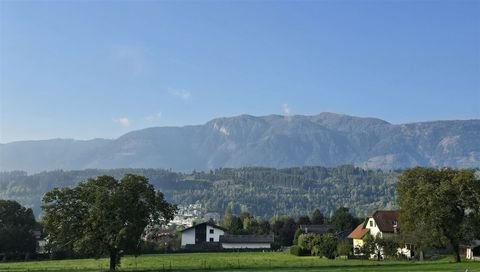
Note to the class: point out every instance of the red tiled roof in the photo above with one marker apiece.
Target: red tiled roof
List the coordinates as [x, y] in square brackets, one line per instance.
[385, 220]
[358, 232]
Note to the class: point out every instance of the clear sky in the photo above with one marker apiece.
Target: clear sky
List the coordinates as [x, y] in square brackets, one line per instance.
[88, 69]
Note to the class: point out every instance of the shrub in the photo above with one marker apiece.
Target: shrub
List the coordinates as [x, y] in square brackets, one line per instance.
[308, 241]
[328, 245]
[295, 250]
[298, 251]
[344, 248]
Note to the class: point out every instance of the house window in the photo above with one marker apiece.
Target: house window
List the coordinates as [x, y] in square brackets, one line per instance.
[211, 231]
[211, 239]
[371, 223]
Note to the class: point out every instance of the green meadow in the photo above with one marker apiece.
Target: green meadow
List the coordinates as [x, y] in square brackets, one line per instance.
[244, 261]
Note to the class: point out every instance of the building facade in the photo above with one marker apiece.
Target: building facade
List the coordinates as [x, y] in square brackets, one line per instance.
[382, 224]
[202, 233]
[246, 241]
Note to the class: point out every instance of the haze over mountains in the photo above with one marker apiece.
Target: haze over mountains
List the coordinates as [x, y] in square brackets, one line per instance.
[325, 139]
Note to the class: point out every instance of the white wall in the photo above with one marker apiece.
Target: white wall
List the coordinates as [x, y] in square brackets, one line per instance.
[246, 245]
[357, 243]
[374, 230]
[469, 254]
[216, 234]
[188, 237]
[405, 251]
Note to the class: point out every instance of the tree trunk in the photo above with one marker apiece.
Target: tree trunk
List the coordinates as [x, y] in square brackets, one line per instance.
[421, 255]
[113, 260]
[456, 251]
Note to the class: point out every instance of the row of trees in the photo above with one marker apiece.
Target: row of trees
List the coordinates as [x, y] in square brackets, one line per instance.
[330, 246]
[105, 216]
[439, 208]
[286, 228]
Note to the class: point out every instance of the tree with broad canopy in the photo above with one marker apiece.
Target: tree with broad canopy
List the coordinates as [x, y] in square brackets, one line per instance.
[104, 216]
[439, 207]
[16, 226]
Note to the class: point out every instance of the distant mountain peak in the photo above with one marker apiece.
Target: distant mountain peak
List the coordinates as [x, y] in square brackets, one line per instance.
[326, 139]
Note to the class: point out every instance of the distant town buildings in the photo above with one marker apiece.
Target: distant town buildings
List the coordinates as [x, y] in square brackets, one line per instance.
[188, 214]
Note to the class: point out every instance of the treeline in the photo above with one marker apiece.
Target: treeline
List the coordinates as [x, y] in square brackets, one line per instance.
[286, 229]
[265, 192]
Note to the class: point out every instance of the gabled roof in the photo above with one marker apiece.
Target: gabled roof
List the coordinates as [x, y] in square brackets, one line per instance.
[386, 220]
[208, 223]
[358, 232]
[255, 238]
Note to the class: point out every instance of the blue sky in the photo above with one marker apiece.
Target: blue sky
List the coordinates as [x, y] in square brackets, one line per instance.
[99, 69]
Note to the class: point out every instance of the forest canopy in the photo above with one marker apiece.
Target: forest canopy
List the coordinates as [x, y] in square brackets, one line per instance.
[261, 191]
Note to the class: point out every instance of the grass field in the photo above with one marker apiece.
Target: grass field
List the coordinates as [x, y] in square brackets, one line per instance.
[245, 261]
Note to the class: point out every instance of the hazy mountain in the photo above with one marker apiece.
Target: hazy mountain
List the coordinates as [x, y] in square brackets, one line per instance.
[326, 139]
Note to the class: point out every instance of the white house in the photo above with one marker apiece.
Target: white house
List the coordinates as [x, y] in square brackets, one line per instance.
[246, 241]
[208, 236]
[201, 233]
[383, 224]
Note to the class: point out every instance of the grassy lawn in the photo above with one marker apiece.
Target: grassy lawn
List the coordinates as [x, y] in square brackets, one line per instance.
[245, 261]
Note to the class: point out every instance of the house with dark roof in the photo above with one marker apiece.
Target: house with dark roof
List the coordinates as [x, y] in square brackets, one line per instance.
[202, 234]
[383, 224]
[208, 236]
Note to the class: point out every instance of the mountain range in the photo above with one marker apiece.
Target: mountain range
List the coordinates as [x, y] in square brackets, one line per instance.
[326, 139]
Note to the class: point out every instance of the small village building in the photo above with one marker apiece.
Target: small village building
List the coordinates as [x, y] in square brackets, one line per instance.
[202, 233]
[255, 241]
[208, 236]
[383, 224]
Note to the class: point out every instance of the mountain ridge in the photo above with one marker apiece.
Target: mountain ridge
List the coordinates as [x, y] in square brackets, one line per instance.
[327, 139]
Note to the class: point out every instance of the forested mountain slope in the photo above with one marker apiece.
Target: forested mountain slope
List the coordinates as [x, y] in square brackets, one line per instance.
[261, 191]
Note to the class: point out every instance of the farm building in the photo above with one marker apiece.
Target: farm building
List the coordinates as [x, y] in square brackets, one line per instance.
[246, 241]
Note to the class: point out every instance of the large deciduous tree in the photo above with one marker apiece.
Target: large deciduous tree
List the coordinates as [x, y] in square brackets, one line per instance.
[16, 226]
[438, 206]
[103, 216]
